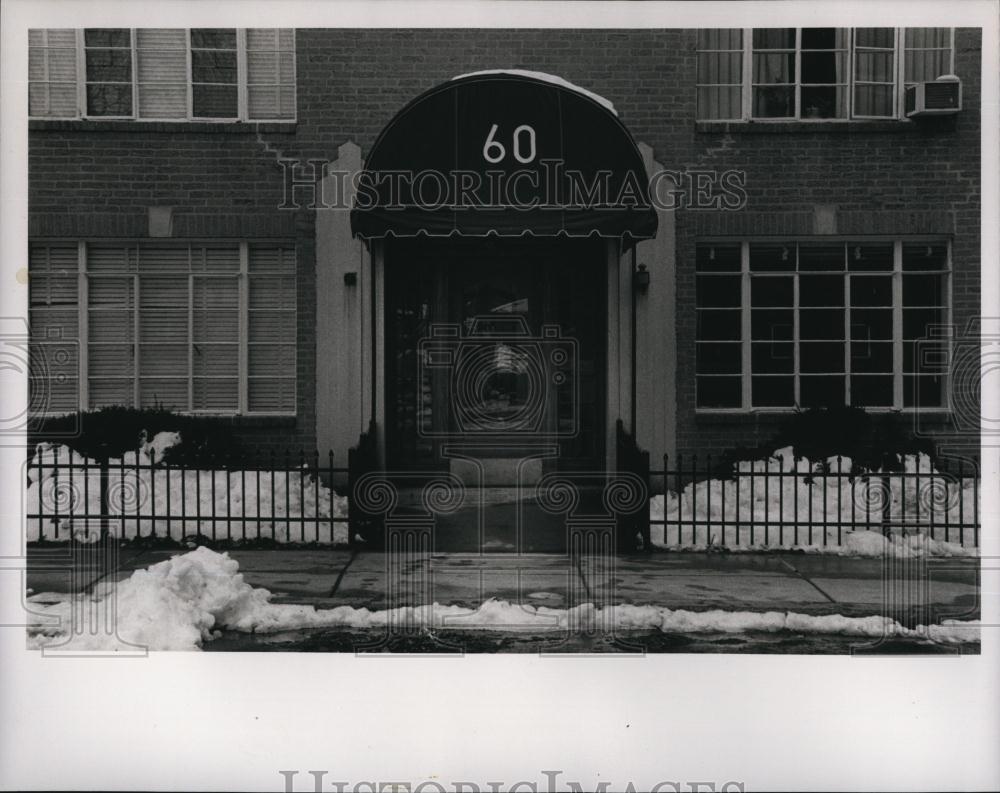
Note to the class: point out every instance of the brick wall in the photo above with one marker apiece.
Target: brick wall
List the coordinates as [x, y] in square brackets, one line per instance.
[225, 181]
[89, 180]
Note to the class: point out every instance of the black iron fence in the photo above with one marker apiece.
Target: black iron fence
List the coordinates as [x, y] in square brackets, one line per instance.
[278, 498]
[784, 502]
[302, 498]
[794, 503]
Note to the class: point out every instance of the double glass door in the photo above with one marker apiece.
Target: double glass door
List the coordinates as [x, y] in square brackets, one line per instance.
[495, 345]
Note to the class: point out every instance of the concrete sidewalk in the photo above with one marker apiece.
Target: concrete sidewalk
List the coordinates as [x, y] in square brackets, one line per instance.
[810, 584]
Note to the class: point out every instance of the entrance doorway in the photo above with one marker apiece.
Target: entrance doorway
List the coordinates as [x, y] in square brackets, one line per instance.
[495, 362]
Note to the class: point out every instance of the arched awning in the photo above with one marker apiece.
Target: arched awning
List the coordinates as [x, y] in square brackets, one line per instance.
[504, 154]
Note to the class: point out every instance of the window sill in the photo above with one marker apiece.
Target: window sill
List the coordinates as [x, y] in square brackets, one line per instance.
[225, 127]
[806, 127]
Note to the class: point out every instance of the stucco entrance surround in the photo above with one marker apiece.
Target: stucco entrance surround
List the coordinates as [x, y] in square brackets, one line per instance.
[351, 329]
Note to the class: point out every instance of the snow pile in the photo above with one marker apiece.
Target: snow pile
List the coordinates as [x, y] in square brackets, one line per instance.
[544, 77]
[287, 507]
[184, 601]
[822, 509]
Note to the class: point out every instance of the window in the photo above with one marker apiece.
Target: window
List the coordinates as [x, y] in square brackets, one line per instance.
[813, 323]
[190, 327]
[270, 73]
[52, 73]
[720, 73]
[108, 59]
[214, 83]
[815, 74]
[161, 79]
[157, 74]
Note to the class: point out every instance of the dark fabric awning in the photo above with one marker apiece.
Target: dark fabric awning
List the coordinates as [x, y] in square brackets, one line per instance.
[507, 155]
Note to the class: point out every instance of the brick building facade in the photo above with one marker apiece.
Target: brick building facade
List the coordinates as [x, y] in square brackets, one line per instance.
[834, 180]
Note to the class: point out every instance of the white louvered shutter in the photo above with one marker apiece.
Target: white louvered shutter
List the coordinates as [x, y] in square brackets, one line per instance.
[271, 325]
[111, 325]
[54, 361]
[270, 72]
[52, 77]
[161, 72]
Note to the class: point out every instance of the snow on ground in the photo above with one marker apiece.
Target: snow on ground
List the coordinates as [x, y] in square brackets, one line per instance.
[137, 490]
[853, 508]
[188, 599]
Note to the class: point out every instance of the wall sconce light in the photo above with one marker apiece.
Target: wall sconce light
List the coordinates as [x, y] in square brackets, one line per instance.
[640, 279]
[784, 253]
[857, 253]
[350, 279]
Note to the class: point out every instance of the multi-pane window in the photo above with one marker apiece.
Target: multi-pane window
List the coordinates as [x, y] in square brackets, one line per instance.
[874, 92]
[928, 53]
[190, 327]
[55, 348]
[720, 73]
[214, 73]
[217, 74]
[271, 73]
[815, 74]
[161, 72]
[52, 80]
[108, 61]
[811, 323]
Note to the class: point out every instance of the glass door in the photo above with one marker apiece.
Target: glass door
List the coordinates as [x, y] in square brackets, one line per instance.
[495, 343]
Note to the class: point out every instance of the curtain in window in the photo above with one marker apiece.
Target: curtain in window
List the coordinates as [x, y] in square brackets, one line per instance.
[928, 54]
[824, 63]
[720, 74]
[874, 72]
[774, 73]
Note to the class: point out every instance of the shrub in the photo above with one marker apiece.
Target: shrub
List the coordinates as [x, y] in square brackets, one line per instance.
[111, 431]
[872, 441]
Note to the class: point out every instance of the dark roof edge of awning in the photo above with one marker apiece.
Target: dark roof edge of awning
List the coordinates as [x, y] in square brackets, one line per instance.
[494, 233]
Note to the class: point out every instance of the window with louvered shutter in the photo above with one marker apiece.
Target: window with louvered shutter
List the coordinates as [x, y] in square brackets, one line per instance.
[187, 327]
[52, 74]
[270, 54]
[271, 326]
[111, 358]
[54, 340]
[161, 72]
[215, 347]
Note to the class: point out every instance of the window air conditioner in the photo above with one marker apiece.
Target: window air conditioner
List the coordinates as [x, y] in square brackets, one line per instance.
[941, 97]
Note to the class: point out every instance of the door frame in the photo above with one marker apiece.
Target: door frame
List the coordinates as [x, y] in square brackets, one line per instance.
[619, 353]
